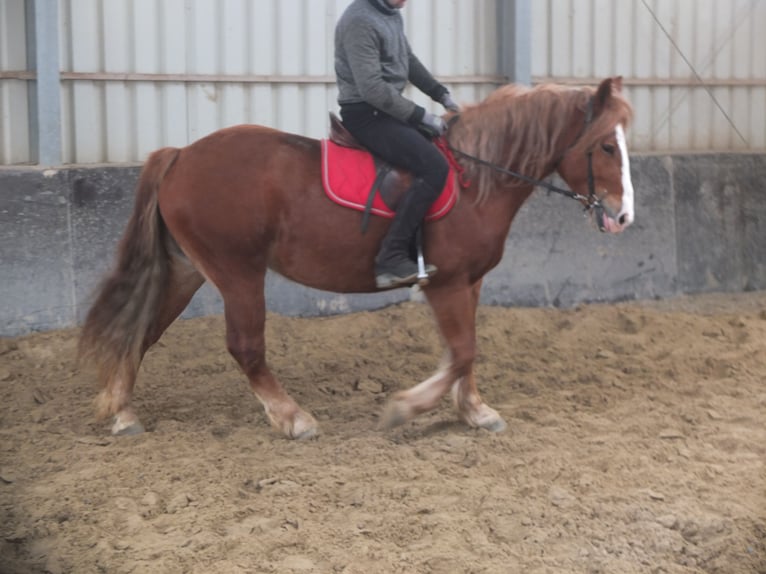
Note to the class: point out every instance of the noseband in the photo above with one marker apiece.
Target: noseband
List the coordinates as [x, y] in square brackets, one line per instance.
[591, 201]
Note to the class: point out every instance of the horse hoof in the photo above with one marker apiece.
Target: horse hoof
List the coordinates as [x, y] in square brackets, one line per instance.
[485, 418]
[306, 434]
[396, 414]
[304, 427]
[129, 430]
[497, 425]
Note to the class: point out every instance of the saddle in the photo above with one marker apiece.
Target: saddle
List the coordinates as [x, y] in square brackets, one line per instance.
[340, 135]
[355, 178]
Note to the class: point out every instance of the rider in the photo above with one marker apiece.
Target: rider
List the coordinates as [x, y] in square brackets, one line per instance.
[373, 64]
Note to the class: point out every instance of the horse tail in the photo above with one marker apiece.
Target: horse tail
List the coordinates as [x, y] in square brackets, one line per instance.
[127, 301]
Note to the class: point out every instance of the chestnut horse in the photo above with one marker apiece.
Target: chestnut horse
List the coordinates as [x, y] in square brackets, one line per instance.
[247, 199]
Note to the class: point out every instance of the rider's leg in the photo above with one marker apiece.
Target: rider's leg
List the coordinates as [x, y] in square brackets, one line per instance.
[405, 147]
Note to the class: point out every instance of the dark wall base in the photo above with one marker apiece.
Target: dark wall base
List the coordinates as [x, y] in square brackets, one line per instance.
[700, 227]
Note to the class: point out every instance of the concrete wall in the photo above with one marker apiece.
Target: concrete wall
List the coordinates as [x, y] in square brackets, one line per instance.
[700, 227]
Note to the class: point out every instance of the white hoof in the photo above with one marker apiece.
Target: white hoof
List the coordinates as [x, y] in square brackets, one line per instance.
[126, 426]
[486, 418]
[497, 425]
[303, 427]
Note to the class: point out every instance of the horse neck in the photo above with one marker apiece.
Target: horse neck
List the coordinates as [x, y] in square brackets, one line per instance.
[518, 130]
[499, 208]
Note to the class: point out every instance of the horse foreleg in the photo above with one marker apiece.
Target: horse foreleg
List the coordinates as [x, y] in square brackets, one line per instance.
[245, 312]
[471, 409]
[465, 394]
[425, 396]
[455, 313]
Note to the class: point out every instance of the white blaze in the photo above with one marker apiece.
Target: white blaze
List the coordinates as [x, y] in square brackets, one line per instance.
[626, 215]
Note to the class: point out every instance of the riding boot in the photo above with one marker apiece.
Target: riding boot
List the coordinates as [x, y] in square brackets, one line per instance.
[393, 265]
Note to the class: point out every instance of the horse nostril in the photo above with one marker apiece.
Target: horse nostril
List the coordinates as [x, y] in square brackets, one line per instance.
[623, 219]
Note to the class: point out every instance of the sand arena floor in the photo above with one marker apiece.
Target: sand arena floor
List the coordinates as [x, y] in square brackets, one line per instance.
[636, 443]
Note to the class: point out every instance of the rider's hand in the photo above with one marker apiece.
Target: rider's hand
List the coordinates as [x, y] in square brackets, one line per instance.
[448, 103]
[433, 125]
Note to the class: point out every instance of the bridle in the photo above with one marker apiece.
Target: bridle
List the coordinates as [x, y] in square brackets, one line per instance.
[591, 202]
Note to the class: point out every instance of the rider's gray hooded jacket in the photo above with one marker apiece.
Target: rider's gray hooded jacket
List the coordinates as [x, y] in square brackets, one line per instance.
[374, 61]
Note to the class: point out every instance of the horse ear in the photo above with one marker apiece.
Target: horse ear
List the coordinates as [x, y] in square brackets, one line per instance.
[605, 90]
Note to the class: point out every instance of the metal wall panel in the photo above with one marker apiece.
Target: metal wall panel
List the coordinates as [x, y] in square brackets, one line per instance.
[666, 51]
[142, 74]
[14, 124]
[457, 40]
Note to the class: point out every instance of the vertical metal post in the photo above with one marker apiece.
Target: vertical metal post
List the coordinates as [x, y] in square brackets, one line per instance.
[515, 40]
[45, 94]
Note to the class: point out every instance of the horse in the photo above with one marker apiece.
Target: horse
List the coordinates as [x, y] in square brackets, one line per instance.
[248, 198]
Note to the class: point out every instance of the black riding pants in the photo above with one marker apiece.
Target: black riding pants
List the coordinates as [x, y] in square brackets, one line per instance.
[399, 144]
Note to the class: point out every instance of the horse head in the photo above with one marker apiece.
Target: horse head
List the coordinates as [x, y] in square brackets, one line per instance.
[596, 166]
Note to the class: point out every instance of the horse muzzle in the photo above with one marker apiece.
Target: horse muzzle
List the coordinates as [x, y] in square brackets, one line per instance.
[608, 223]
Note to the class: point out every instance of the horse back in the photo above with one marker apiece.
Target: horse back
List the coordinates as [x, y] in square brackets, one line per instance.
[251, 143]
[242, 163]
[240, 185]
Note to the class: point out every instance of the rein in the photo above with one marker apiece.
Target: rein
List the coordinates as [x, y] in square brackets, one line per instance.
[591, 201]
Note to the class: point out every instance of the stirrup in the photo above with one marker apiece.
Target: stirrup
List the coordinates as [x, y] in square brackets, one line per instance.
[422, 271]
[389, 280]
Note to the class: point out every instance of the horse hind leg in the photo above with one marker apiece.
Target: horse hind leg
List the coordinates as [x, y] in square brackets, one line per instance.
[245, 312]
[183, 281]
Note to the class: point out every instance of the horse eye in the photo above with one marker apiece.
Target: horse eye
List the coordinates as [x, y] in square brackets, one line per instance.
[608, 148]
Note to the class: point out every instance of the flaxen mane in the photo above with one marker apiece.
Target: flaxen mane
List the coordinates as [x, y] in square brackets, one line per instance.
[523, 129]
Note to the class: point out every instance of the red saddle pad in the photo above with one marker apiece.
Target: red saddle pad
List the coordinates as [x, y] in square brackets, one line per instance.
[348, 175]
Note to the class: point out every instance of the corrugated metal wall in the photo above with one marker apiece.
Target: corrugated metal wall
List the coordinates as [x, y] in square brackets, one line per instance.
[14, 128]
[665, 50]
[142, 74]
[195, 46]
